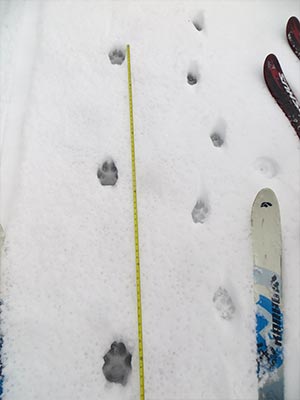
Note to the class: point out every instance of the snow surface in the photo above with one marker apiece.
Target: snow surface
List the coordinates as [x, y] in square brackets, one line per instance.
[68, 270]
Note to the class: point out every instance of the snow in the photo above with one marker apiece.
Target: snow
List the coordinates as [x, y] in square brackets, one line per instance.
[68, 268]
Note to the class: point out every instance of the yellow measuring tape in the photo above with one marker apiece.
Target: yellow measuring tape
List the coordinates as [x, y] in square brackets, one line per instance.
[136, 234]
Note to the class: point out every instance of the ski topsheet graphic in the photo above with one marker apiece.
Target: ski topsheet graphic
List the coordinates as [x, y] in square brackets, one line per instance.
[281, 91]
[293, 35]
[1, 339]
[266, 242]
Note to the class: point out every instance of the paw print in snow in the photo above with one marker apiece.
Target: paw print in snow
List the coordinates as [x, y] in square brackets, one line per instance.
[193, 75]
[198, 21]
[200, 212]
[217, 139]
[117, 363]
[108, 173]
[218, 134]
[117, 56]
[266, 166]
[192, 79]
[224, 303]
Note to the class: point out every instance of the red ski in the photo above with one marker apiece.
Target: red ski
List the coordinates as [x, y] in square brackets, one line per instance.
[293, 35]
[281, 91]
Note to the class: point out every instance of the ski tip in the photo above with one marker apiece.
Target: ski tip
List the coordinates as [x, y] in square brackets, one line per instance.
[265, 197]
[270, 61]
[292, 21]
[292, 27]
[266, 191]
[266, 66]
[293, 34]
[265, 200]
[270, 56]
[271, 67]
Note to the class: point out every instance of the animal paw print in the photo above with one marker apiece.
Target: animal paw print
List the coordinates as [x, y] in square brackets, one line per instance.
[199, 21]
[193, 75]
[266, 166]
[117, 363]
[200, 212]
[117, 56]
[223, 303]
[108, 173]
[218, 134]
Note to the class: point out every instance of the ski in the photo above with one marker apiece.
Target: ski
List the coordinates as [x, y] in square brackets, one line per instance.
[293, 35]
[266, 243]
[281, 91]
[1, 338]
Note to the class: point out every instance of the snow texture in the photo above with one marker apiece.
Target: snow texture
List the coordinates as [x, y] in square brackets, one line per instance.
[68, 266]
[2, 235]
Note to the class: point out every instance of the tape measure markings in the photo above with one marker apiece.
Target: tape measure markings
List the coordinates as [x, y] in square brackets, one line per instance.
[136, 233]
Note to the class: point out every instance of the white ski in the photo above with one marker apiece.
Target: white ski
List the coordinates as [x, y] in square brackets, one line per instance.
[266, 241]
